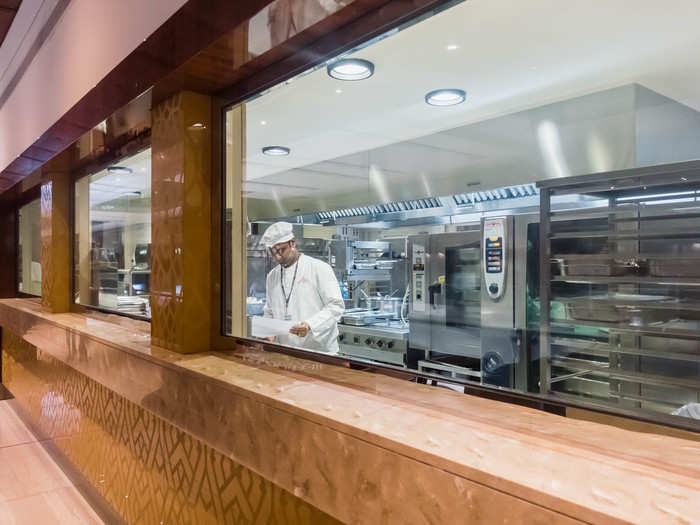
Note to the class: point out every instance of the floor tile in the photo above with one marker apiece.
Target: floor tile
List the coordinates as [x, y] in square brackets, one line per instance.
[28, 470]
[12, 430]
[59, 507]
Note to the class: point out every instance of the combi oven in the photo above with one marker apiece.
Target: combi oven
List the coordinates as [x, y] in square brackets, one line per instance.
[469, 300]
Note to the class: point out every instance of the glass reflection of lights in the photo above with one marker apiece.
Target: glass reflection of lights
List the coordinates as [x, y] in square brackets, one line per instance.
[351, 69]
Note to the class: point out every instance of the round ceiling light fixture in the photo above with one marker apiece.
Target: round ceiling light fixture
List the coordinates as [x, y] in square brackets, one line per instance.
[120, 170]
[351, 69]
[276, 151]
[446, 97]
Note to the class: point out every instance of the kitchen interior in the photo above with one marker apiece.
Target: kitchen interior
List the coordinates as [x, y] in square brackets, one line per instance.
[113, 237]
[448, 226]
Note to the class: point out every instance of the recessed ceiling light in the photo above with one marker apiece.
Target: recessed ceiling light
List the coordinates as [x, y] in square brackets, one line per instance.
[351, 69]
[123, 170]
[452, 47]
[339, 91]
[446, 97]
[263, 122]
[276, 151]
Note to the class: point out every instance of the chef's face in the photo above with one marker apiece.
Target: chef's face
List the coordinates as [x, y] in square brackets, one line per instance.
[285, 253]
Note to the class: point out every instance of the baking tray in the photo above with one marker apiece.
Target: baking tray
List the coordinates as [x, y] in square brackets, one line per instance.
[674, 266]
[597, 265]
[621, 308]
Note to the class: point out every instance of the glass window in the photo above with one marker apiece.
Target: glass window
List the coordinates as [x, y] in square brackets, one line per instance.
[113, 237]
[29, 252]
[385, 205]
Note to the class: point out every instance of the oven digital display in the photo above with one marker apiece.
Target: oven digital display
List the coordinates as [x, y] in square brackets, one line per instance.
[494, 254]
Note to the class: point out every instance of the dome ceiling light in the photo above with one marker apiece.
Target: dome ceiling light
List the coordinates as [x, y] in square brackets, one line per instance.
[276, 151]
[351, 69]
[120, 170]
[446, 97]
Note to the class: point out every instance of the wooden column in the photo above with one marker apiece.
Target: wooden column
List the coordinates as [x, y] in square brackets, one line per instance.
[181, 277]
[56, 240]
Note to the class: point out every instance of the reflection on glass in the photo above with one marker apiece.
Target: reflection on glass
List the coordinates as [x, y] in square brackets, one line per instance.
[29, 252]
[113, 237]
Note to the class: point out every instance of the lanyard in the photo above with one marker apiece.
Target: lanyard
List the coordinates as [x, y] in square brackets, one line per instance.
[284, 292]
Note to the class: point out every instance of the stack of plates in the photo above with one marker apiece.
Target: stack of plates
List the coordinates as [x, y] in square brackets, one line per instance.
[134, 305]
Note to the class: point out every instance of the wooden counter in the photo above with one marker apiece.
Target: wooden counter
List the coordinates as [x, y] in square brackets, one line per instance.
[366, 448]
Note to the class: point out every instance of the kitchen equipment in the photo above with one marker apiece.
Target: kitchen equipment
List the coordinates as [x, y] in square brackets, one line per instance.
[620, 308]
[468, 300]
[629, 339]
[671, 265]
[364, 317]
[586, 264]
[390, 306]
[386, 343]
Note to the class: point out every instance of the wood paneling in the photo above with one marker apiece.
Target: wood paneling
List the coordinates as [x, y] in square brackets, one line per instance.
[56, 242]
[181, 284]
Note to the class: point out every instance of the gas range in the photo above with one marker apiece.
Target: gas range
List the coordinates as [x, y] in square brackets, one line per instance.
[386, 341]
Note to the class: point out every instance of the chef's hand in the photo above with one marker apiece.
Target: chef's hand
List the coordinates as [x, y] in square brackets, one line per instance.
[300, 329]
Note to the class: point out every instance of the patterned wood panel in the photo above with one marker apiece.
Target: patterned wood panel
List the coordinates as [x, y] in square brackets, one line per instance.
[148, 470]
[181, 284]
[55, 236]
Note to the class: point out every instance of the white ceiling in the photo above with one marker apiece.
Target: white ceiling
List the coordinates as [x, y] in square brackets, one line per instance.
[513, 55]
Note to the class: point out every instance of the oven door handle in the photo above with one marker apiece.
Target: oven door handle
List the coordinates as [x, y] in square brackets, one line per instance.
[435, 288]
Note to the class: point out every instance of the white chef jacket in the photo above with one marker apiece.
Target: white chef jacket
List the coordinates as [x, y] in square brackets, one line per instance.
[315, 298]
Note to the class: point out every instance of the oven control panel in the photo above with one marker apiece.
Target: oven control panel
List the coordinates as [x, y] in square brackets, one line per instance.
[418, 286]
[494, 253]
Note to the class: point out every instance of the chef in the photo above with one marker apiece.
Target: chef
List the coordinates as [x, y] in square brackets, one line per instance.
[304, 290]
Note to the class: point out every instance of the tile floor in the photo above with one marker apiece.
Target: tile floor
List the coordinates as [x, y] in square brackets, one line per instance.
[33, 489]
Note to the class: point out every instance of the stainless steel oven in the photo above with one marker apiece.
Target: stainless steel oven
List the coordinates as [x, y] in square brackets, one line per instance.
[468, 300]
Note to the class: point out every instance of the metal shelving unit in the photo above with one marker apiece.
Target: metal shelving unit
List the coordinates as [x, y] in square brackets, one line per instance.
[622, 281]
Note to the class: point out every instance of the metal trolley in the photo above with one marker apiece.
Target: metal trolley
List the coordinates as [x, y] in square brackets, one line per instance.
[621, 277]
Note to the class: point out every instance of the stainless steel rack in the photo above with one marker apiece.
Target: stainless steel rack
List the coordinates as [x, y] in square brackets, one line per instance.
[621, 281]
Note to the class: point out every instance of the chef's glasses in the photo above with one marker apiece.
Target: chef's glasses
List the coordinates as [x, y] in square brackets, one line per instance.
[279, 249]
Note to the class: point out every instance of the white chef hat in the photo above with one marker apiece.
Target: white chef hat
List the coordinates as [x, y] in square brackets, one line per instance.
[277, 233]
